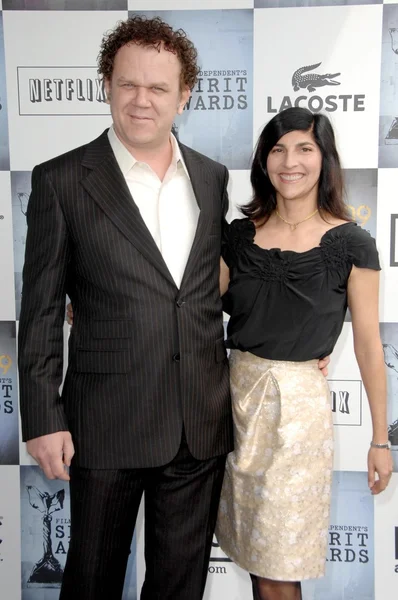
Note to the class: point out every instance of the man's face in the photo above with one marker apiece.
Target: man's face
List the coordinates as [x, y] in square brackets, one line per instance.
[145, 95]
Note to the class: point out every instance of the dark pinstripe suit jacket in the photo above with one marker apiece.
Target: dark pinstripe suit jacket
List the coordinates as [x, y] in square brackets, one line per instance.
[144, 356]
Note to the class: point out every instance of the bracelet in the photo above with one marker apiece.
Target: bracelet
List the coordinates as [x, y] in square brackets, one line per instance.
[386, 445]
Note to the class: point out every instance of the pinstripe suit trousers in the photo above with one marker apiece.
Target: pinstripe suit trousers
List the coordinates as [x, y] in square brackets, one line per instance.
[181, 502]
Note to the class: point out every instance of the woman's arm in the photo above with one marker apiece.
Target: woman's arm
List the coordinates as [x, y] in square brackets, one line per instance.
[363, 301]
[224, 277]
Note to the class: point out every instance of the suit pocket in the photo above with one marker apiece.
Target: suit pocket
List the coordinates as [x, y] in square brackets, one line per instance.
[87, 361]
[106, 335]
[221, 352]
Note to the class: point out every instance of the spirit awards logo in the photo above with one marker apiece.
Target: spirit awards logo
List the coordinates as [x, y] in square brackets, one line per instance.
[62, 534]
[61, 91]
[306, 78]
[47, 572]
[348, 544]
[219, 90]
[346, 401]
[6, 385]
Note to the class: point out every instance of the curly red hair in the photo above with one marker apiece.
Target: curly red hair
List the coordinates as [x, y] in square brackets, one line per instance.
[149, 32]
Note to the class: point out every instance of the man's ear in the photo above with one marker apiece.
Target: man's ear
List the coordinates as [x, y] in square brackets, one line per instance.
[107, 86]
[184, 97]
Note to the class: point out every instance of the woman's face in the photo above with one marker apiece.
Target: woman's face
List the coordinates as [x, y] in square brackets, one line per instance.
[294, 165]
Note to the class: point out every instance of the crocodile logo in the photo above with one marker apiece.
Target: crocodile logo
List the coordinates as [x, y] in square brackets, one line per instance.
[311, 81]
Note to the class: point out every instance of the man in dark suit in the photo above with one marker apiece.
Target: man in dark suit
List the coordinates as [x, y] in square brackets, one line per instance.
[129, 226]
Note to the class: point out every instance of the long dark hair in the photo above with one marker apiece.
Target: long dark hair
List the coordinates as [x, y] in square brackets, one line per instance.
[330, 187]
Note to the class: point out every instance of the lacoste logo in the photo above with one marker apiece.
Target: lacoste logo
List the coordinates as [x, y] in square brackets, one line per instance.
[311, 81]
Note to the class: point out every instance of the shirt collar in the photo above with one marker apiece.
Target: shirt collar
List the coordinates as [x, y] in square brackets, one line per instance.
[126, 161]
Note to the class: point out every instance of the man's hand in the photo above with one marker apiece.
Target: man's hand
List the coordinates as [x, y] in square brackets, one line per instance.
[69, 313]
[323, 365]
[53, 452]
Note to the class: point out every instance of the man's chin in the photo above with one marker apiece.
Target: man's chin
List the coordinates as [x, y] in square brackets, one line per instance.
[137, 140]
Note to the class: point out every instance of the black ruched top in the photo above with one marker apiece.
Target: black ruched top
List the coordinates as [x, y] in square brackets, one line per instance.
[287, 305]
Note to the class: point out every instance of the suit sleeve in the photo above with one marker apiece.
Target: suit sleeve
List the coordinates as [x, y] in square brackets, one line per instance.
[40, 335]
[225, 224]
[225, 204]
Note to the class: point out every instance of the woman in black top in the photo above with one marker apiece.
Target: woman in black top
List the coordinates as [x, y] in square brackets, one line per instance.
[293, 264]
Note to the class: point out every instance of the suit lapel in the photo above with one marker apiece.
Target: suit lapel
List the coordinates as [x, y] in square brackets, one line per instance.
[199, 176]
[106, 185]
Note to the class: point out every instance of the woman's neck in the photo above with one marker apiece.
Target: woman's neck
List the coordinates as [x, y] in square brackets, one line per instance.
[297, 209]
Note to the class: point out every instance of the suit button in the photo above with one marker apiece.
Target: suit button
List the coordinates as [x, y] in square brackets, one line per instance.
[180, 302]
[176, 357]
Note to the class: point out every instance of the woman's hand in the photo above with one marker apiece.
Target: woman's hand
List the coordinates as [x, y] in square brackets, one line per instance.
[380, 462]
[69, 313]
[323, 365]
[224, 277]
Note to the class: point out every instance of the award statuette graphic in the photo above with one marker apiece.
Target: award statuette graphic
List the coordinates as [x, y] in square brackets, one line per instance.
[391, 362]
[23, 198]
[47, 572]
[174, 131]
[392, 135]
[393, 433]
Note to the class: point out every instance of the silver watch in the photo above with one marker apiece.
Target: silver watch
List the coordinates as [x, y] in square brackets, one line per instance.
[386, 445]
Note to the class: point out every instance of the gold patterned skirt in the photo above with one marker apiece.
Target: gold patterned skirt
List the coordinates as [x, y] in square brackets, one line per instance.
[274, 509]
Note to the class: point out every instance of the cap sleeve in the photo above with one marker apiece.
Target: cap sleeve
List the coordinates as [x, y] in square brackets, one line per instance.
[236, 235]
[362, 249]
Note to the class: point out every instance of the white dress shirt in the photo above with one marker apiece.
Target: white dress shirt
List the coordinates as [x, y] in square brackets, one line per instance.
[169, 207]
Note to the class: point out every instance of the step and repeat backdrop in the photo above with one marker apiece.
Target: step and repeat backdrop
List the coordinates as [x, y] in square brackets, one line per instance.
[257, 57]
